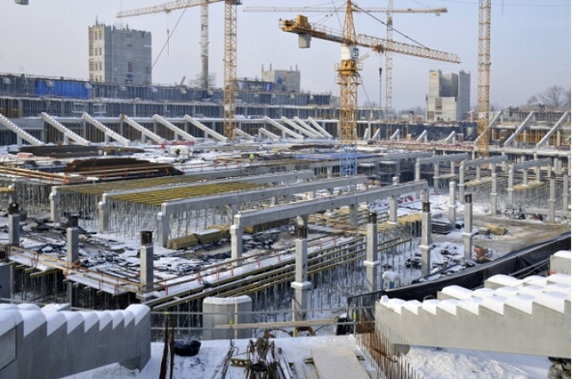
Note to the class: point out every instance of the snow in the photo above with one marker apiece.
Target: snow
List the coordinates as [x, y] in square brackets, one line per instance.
[139, 311]
[552, 300]
[89, 320]
[448, 305]
[559, 278]
[104, 319]
[558, 287]
[74, 319]
[439, 363]
[470, 305]
[7, 322]
[32, 320]
[494, 303]
[457, 292]
[55, 320]
[505, 280]
[521, 302]
[564, 254]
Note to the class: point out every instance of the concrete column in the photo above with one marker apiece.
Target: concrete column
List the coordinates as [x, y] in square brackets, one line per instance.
[505, 164]
[452, 167]
[552, 198]
[103, 216]
[452, 200]
[146, 262]
[12, 196]
[417, 169]
[329, 171]
[425, 245]
[301, 285]
[436, 176]
[494, 194]
[54, 205]
[72, 240]
[235, 241]
[354, 214]
[565, 193]
[510, 188]
[393, 204]
[478, 167]
[232, 210]
[398, 169]
[371, 260]
[525, 176]
[163, 228]
[72, 253]
[462, 181]
[468, 232]
[6, 281]
[13, 224]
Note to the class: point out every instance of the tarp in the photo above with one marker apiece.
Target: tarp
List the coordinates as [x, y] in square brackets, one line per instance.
[62, 88]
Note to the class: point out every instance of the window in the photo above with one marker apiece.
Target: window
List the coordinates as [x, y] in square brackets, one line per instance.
[129, 66]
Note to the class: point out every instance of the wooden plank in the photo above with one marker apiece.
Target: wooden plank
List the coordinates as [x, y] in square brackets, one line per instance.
[337, 362]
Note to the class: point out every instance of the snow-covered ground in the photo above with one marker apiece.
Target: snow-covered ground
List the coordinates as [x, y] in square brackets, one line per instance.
[431, 363]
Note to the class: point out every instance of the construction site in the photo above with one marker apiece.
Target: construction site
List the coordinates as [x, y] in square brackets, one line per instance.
[262, 212]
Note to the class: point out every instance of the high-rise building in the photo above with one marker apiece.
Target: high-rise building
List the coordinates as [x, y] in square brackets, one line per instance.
[284, 80]
[119, 55]
[449, 97]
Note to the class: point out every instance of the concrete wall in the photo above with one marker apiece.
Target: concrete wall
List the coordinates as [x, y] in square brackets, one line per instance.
[52, 342]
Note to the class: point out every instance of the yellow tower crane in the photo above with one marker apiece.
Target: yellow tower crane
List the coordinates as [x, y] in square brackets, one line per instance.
[229, 48]
[484, 77]
[389, 11]
[349, 66]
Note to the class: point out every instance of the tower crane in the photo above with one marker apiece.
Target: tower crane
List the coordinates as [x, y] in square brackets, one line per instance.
[229, 48]
[484, 76]
[389, 11]
[349, 66]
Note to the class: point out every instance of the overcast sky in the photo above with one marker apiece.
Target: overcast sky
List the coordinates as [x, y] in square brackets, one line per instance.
[530, 44]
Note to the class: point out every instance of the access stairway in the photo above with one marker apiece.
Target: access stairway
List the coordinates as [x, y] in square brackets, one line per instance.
[519, 316]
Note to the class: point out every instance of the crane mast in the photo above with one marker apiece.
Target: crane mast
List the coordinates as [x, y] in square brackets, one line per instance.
[484, 75]
[389, 61]
[229, 48]
[230, 67]
[348, 79]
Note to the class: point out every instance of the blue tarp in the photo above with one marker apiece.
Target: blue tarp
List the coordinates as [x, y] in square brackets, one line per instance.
[62, 88]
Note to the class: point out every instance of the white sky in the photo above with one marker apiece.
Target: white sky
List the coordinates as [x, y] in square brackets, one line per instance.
[530, 48]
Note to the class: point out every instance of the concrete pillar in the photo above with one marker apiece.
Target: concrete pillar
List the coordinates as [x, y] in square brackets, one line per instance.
[235, 241]
[525, 176]
[505, 164]
[72, 240]
[54, 205]
[232, 210]
[12, 196]
[468, 232]
[452, 202]
[398, 169]
[371, 259]
[452, 167]
[510, 188]
[436, 176]
[146, 262]
[565, 193]
[329, 171]
[301, 285]
[462, 181]
[417, 169]
[102, 216]
[6, 281]
[354, 220]
[13, 224]
[425, 245]
[552, 198]
[478, 167]
[72, 253]
[393, 204]
[494, 194]
[163, 228]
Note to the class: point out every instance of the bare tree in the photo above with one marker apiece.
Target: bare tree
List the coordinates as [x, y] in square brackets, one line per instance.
[553, 97]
